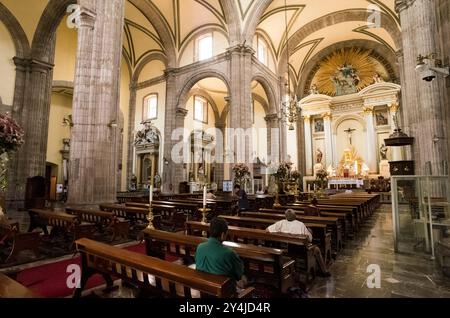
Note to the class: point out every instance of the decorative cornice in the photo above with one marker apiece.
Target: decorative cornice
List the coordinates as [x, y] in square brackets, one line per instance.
[368, 110]
[327, 116]
[393, 107]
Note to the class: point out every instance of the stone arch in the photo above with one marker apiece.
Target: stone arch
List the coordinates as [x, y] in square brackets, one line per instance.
[340, 120]
[204, 93]
[380, 52]
[151, 57]
[18, 35]
[255, 15]
[42, 47]
[149, 9]
[233, 21]
[269, 90]
[196, 77]
[389, 24]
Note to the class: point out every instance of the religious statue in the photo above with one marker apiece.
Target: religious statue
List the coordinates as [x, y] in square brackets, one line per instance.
[345, 80]
[383, 152]
[377, 78]
[157, 181]
[133, 183]
[147, 135]
[313, 90]
[319, 156]
[318, 125]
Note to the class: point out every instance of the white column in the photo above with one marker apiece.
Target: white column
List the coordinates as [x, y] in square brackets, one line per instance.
[328, 139]
[308, 146]
[371, 142]
[397, 152]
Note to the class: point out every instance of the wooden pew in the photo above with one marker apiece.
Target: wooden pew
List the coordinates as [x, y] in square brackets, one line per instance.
[104, 221]
[190, 210]
[17, 241]
[132, 214]
[169, 279]
[266, 263]
[295, 246]
[350, 214]
[331, 222]
[319, 231]
[60, 221]
[9, 288]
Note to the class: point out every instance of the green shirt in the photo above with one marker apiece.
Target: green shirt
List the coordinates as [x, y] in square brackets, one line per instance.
[212, 257]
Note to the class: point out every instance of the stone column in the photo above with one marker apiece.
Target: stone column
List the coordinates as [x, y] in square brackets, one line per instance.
[131, 127]
[308, 146]
[370, 140]
[31, 109]
[96, 104]
[220, 145]
[424, 104]
[241, 100]
[273, 138]
[328, 140]
[170, 124]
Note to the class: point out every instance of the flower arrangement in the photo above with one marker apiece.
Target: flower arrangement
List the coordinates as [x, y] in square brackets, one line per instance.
[282, 173]
[241, 174]
[11, 138]
[11, 134]
[322, 178]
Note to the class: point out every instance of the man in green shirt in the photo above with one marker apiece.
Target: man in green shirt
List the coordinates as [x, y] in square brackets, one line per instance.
[212, 257]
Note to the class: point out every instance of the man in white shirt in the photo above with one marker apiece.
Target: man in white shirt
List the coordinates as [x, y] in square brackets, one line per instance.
[292, 226]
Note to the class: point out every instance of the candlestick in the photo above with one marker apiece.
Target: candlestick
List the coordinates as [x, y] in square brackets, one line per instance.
[204, 197]
[151, 194]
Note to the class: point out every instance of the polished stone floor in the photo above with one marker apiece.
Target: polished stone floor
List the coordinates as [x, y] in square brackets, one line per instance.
[402, 275]
[409, 274]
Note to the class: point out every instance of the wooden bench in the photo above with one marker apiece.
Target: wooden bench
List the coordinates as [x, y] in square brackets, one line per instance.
[60, 222]
[17, 242]
[134, 215]
[103, 221]
[9, 288]
[265, 263]
[190, 210]
[153, 276]
[319, 231]
[331, 222]
[296, 247]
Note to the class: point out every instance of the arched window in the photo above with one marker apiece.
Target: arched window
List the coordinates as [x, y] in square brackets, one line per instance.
[262, 50]
[204, 47]
[150, 109]
[200, 109]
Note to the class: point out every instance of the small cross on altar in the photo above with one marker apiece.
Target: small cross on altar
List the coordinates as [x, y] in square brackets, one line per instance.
[350, 132]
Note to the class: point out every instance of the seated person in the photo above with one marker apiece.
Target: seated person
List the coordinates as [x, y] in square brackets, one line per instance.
[312, 209]
[242, 198]
[212, 257]
[210, 195]
[292, 226]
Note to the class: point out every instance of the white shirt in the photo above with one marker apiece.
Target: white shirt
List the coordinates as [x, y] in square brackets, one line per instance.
[293, 227]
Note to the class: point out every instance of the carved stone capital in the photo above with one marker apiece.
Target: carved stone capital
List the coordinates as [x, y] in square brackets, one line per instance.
[307, 119]
[241, 49]
[271, 118]
[30, 65]
[86, 18]
[181, 112]
[327, 116]
[368, 110]
[393, 108]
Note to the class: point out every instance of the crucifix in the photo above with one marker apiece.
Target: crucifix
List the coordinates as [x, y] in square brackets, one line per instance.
[350, 132]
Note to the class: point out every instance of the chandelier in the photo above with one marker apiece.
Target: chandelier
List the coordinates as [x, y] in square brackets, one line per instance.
[290, 108]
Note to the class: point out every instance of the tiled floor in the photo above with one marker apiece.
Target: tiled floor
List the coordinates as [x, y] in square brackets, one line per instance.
[402, 275]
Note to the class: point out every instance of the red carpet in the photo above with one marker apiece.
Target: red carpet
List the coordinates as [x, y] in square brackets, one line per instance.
[51, 280]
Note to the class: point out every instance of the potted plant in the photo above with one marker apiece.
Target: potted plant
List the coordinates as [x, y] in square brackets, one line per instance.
[11, 138]
[241, 174]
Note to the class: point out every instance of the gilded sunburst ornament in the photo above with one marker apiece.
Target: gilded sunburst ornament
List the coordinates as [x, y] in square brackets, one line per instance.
[347, 71]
